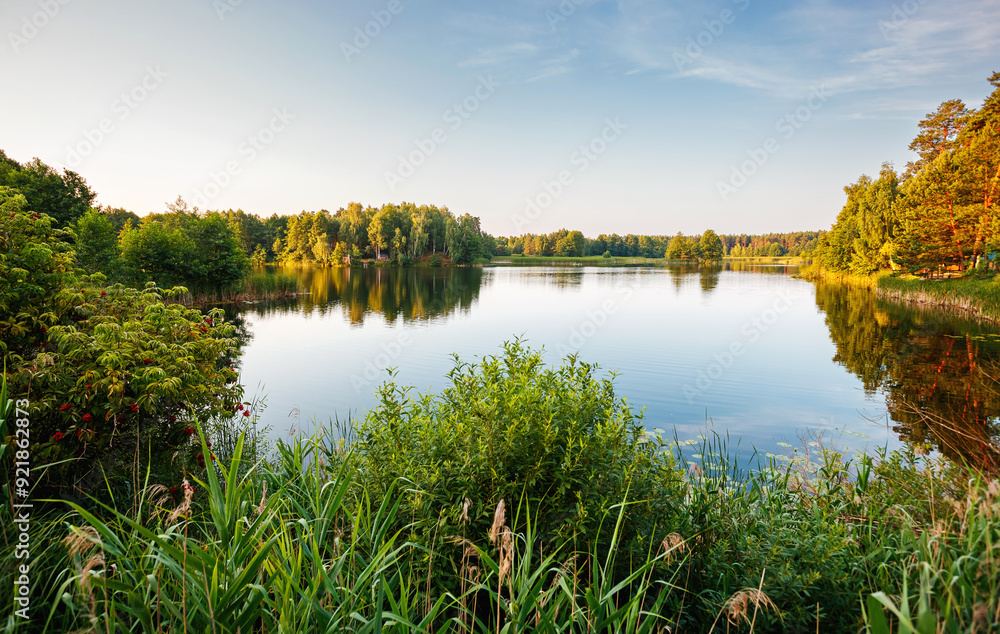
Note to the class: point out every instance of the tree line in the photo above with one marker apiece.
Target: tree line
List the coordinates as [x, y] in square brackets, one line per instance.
[206, 250]
[938, 215]
[203, 249]
[706, 246]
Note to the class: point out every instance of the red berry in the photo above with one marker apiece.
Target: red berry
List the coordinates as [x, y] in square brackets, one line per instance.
[57, 436]
[65, 407]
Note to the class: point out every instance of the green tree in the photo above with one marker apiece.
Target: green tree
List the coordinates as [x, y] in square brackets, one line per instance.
[220, 261]
[96, 242]
[463, 237]
[340, 254]
[36, 264]
[711, 245]
[939, 132]
[64, 197]
[680, 248]
[867, 232]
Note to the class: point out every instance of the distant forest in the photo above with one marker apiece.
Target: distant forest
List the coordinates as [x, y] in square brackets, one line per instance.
[678, 247]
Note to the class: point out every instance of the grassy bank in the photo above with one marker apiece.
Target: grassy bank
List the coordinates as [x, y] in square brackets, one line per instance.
[521, 498]
[976, 297]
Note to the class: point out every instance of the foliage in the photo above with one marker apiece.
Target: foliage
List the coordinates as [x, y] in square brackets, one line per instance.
[181, 247]
[682, 248]
[96, 242]
[711, 246]
[942, 214]
[35, 266]
[286, 547]
[312, 541]
[128, 374]
[556, 445]
[109, 371]
[864, 237]
[63, 197]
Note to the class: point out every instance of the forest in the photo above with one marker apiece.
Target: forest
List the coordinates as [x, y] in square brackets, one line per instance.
[937, 217]
[706, 246]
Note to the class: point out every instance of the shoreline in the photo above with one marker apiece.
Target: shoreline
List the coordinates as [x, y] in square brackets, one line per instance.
[976, 298]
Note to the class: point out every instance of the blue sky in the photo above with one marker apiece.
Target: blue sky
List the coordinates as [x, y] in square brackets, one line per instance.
[639, 116]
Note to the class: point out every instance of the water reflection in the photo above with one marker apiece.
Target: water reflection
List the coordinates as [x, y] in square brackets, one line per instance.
[410, 294]
[709, 277]
[938, 371]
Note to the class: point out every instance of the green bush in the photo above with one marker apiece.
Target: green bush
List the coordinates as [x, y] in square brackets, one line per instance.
[557, 441]
[113, 375]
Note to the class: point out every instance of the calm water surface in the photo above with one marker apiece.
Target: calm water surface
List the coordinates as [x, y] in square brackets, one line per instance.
[753, 352]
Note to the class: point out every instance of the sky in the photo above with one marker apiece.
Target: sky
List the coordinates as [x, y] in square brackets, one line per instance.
[629, 116]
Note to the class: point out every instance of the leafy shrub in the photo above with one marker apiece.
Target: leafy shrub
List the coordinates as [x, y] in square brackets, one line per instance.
[556, 441]
[114, 375]
[36, 263]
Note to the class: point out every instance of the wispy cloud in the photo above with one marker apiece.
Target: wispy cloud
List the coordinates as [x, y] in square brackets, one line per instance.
[501, 55]
[847, 48]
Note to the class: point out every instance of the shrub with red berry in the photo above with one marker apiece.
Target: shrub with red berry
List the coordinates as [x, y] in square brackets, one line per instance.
[112, 373]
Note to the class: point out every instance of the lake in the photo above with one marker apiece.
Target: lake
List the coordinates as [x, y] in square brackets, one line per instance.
[749, 350]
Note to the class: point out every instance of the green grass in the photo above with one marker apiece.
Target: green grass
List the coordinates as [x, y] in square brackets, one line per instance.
[331, 536]
[979, 297]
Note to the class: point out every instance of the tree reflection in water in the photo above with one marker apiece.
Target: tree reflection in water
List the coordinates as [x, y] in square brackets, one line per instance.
[938, 371]
[410, 294]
